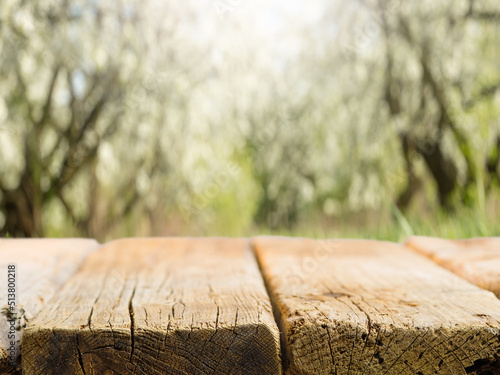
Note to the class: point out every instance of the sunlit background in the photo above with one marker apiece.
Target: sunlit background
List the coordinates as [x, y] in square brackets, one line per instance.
[368, 118]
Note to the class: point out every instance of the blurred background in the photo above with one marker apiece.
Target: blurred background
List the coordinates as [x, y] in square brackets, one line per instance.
[368, 118]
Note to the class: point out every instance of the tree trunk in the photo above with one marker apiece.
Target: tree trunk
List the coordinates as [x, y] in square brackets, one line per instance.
[93, 225]
[23, 210]
[492, 164]
[443, 171]
[413, 183]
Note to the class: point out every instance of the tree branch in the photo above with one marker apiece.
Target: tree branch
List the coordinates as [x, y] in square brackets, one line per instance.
[71, 165]
[483, 16]
[64, 133]
[48, 102]
[68, 209]
[485, 92]
[487, 16]
[20, 81]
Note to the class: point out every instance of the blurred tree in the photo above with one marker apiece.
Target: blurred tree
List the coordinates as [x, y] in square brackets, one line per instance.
[64, 88]
[431, 88]
[277, 149]
[437, 88]
[123, 119]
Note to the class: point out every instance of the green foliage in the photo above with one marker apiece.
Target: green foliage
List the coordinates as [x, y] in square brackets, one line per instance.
[464, 223]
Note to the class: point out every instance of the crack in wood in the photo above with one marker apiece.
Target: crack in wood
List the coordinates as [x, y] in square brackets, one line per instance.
[132, 324]
[80, 358]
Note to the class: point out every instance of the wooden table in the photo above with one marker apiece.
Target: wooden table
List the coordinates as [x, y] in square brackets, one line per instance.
[267, 305]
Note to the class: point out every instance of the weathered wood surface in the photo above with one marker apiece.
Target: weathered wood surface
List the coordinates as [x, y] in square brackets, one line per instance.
[42, 267]
[159, 306]
[476, 260]
[366, 307]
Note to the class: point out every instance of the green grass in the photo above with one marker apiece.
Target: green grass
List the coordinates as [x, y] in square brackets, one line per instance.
[463, 223]
[389, 224]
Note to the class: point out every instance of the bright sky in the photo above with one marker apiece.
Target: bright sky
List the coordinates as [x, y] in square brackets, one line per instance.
[270, 24]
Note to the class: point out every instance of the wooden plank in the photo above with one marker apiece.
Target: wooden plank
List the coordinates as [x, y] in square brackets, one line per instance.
[476, 260]
[41, 268]
[159, 306]
[366, 307]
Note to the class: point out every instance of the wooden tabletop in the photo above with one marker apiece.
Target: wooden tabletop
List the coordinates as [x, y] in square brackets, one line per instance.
[267, 305]
[476, 259]
[39, 269]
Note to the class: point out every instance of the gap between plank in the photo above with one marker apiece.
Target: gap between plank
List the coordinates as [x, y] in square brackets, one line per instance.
[276, 309]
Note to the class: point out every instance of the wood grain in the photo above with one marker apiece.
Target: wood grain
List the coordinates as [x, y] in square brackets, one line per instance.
[42, 267]
[476, 260]
[366, 307]
[159, 306]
